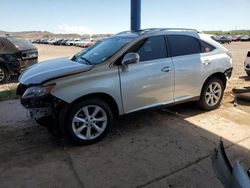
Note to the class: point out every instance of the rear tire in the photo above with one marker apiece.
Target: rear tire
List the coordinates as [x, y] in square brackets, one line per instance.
[89, 121]
[4, 74]
[212, 94]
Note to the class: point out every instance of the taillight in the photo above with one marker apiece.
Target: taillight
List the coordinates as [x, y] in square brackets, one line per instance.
[248, 54]
[229, 54]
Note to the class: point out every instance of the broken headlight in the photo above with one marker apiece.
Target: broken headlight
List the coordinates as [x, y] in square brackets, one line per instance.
[38, 91]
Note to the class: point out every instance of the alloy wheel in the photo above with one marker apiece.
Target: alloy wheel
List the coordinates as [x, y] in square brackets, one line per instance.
[89, 122]
[213, 94]
[2, 74]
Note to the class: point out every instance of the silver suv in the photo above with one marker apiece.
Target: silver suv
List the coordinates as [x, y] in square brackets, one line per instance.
[128, 72]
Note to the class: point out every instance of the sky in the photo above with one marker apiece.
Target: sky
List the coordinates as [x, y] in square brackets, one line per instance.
[112, 16]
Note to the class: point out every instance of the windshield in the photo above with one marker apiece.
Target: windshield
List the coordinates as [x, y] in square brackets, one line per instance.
[102, 50]
[21, 43]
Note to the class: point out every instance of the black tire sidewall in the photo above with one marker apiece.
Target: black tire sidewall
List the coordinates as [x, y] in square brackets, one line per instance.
[75, 108]
[6, 74]
[202, 102]
[45, 121]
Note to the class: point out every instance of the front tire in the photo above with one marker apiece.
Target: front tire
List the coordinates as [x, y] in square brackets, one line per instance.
[212, 94]
[46, 121]
[89, 121]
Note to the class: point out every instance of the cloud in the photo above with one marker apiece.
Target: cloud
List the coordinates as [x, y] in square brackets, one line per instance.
[79, 29]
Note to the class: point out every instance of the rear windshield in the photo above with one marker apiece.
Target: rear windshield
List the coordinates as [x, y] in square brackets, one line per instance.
[21, 43]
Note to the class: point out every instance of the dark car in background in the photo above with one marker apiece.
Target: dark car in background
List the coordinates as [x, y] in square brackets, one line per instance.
[245, 38]
[58, 42]
[16, 54]
[223, 39]
[64, 42]
[236, 38]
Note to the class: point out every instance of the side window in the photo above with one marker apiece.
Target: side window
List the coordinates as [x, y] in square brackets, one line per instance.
[205, 47]
[151, 48]
[183, 45]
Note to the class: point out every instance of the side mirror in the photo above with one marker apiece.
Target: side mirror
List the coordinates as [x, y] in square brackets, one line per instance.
[130, 58]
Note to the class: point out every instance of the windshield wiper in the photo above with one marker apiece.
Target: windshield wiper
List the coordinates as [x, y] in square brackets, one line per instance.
[87, 61]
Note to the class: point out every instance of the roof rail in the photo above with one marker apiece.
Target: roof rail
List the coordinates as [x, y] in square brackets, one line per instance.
[182, 29]
[122, 32]
[144, 31]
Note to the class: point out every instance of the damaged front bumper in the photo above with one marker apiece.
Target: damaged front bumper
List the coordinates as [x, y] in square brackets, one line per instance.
[37, 107]
[37, 113]
[37, 100]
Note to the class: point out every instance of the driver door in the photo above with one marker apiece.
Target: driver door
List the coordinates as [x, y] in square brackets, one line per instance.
[150, 82]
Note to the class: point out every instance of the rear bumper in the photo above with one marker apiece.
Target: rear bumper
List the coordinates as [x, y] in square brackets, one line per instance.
[228, 73]
[28, 62]
[247, 68]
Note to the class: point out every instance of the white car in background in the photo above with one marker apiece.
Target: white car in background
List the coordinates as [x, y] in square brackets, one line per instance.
[80, 42]
[51, 41]
[72, 42]
[86, 42]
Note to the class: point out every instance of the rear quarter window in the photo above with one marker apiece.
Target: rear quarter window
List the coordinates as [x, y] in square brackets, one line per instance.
[183, 45]
[205, 47]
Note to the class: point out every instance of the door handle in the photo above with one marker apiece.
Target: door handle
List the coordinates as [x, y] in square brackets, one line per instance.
[165, 69]
[206, 62]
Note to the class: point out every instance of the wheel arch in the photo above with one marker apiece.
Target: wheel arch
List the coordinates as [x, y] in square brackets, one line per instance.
[219, 75]
[4, 65]
[103, 96]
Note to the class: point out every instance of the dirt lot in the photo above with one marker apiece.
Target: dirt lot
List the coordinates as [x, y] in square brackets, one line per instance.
[163, 148]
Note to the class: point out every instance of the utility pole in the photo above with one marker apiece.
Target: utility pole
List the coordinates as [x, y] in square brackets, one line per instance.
[135, 15]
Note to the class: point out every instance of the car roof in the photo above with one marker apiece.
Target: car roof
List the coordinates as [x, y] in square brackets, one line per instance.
[154, 31]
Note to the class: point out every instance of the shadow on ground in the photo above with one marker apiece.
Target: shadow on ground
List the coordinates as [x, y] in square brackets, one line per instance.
[246, 78]
[160, 148]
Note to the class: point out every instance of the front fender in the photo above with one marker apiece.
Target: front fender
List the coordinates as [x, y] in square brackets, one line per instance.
[98, 80]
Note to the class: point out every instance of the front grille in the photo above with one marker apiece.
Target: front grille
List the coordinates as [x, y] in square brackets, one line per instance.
[21, 88]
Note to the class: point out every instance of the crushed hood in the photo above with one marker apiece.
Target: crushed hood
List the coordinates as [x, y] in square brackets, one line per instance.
[50, 69]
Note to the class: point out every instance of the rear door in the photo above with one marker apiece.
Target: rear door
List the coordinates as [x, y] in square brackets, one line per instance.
[191, 65]
[151, 81]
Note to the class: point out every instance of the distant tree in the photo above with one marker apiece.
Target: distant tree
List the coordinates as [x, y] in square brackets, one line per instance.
[233, 33]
